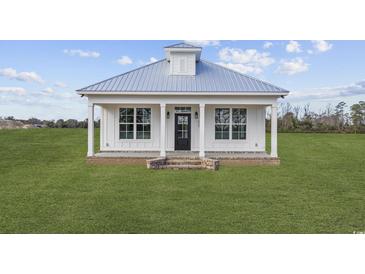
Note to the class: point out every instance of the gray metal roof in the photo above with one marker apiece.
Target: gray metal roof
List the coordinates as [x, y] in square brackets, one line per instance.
[209, 77]
[182, 45]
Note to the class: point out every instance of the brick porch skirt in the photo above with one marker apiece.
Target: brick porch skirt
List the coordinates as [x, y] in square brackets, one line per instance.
[225, 159]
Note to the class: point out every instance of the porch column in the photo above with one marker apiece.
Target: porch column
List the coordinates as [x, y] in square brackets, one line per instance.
[202, 130]
[274, 131]
[90, 130]
[163, 130]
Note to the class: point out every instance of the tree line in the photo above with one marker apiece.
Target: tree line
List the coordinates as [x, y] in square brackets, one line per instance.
[291, 118]
[338, 118]
[60, 123]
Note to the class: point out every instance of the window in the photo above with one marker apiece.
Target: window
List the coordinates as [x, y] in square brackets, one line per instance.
[126, 124]
[135, 119]
[222, 123]
[182, 127]
[143, 123]
[238, 123]
[182, 109]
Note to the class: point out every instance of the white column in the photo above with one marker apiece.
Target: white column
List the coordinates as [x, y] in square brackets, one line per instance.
[202, 130]
[163, 130]
[274, 131]
[90, 130]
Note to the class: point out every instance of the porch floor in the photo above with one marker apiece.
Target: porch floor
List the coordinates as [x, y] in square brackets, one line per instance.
[186, 154]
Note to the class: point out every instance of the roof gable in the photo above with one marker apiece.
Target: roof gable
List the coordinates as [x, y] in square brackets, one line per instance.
[210, 78]
[182, 45]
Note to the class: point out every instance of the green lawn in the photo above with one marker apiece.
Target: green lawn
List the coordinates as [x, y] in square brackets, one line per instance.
[46, 187]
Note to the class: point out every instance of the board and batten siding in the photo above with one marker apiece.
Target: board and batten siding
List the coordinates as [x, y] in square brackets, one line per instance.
[255, 137]
[182, 63]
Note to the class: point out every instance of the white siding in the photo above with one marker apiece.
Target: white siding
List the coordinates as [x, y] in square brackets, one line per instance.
[255, 130]
[110, 130]
[255, 139]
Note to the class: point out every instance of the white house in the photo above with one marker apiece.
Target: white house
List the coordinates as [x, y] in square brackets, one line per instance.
[182, 103]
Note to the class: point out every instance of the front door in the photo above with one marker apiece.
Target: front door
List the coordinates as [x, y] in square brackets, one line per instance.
[182, 131]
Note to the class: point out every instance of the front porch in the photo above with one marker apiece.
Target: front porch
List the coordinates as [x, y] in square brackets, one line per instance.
[201, 130]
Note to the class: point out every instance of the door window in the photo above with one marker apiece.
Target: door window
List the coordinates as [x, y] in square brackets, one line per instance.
[182, 127]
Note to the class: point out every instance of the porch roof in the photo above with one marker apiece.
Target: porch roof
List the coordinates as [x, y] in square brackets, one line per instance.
[209, 78]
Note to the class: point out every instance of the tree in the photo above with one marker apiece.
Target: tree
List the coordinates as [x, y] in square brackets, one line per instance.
[34, 121]
[82, 124]
[358, 115]
[71, 123]
[296, 110]
[307, 122]
[50, 124]
[340, 115]
[288, 121]
[60, 123]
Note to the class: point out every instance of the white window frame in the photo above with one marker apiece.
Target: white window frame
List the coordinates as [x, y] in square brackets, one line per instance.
[143, 124]
[223, 124]
[230, 124]
[134, 124]
[240, 124]
[182, 109]
[126, 123]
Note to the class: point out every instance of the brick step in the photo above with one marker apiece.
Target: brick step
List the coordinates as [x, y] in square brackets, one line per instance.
[178, 163]
[183, 158]
[183, 162]
[182, 167]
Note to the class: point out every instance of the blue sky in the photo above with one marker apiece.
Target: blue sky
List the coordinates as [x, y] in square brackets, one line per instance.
[39, 78]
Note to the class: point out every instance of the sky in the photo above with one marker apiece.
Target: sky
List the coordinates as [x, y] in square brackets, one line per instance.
[39, 78]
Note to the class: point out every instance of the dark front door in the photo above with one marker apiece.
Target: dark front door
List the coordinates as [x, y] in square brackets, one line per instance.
[182, 131]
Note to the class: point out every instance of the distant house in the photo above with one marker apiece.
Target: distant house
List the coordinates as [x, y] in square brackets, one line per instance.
[182, 103]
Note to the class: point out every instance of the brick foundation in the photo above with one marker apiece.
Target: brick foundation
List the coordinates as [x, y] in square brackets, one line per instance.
[115, 161]
[251, 162]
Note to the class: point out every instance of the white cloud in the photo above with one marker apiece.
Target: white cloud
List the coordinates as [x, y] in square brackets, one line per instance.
[354, 89]
[322, 46]
[124, 60]
[8, 72]
[25, 76]
[81, 53]
[249, 56]
[293, 66]
[16, 90]
[245, 61]
[153, 60]
[48, 90]
[241, 68]
[293, 47]
[267, 45]
[150, 61]
[203, 43]
[29, 77]
[60, 85]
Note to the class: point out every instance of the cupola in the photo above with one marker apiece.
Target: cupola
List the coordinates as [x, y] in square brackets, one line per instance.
[183, 58]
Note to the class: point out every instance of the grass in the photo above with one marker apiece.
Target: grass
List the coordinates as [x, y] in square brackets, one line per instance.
[46, 187]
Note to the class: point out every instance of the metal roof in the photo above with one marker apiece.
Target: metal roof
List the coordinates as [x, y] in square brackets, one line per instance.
[209, 78]
[182, 45]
